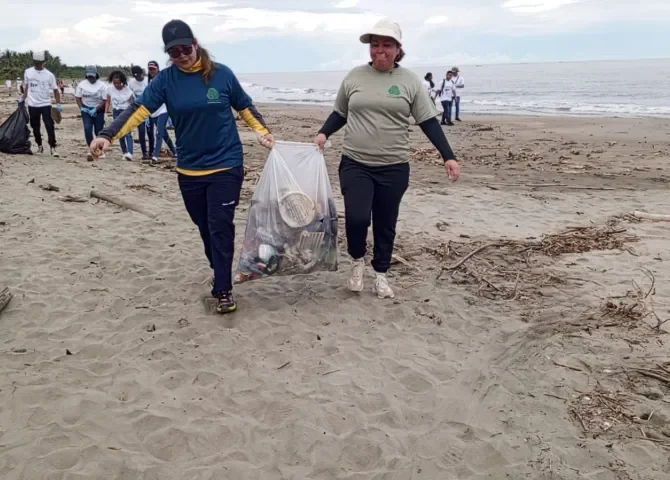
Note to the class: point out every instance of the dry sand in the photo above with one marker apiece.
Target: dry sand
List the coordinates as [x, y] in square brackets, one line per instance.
[113, 365]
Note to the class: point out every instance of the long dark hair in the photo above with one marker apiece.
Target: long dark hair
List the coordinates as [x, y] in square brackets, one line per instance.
[429, 78]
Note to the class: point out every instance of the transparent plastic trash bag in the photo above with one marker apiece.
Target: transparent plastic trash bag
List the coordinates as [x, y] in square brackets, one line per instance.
[292, 224]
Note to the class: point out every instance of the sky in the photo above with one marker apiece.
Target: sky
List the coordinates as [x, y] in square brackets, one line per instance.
[309, 35]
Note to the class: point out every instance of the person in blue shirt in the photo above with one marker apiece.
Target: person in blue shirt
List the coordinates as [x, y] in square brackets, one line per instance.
[199, 94]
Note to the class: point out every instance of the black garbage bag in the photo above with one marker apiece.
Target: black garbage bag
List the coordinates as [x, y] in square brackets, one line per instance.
[14, 133]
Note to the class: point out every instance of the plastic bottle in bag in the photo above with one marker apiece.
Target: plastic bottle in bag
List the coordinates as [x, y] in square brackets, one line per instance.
[292, 224]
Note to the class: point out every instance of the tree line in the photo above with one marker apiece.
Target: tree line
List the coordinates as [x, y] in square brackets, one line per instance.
[13, 64]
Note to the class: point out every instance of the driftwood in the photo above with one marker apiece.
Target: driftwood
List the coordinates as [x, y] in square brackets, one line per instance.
[5, 298]
[73, 198]
[656, 217]
[122, 203]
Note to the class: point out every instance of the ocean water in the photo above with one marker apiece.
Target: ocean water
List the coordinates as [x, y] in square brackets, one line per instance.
[631, 88]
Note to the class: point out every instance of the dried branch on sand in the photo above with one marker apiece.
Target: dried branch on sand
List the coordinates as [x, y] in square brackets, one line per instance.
[505, 269]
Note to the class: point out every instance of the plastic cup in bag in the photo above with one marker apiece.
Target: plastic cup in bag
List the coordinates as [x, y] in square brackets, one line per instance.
[292, 224]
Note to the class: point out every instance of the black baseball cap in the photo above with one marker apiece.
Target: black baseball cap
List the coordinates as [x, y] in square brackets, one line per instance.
[177, 32]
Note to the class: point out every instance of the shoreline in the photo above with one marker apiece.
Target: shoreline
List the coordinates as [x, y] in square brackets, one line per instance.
[466, 113]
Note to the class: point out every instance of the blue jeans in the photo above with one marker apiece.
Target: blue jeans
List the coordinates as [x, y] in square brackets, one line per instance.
[92, 124]
[210, 201]
[159, 125]
[127, 141]
[458, 107]
[446, 114]
[142, 130]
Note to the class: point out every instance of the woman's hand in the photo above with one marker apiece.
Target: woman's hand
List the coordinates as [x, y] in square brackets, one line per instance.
[453, 170]
[320, 141]
[267, 140]
[99, 146]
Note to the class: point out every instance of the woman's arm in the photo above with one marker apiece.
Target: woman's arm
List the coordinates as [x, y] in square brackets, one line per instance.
[432, 129]
[338, 117]
[244, 105]
[152, 99]
[333, 123]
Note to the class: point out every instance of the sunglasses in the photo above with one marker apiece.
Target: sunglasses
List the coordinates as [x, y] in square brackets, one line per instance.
[179, 50]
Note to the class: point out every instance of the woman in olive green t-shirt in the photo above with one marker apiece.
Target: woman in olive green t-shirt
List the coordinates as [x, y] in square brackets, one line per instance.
[375, 102]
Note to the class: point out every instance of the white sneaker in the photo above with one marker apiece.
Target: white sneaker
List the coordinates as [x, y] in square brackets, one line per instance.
[54, 153]
[382, 288]
[128, 157]
[154, 161]
[355, 282]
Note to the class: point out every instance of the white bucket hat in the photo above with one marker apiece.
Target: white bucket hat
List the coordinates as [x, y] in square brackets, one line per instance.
[384, 28]
[38, 56]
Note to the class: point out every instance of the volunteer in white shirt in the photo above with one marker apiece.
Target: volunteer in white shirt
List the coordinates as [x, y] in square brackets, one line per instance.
[120, 97]
[137, 84]
[447, 94]
[429, 85]
[91, 96]
[38, 84]
[459, 83]
[159, 122]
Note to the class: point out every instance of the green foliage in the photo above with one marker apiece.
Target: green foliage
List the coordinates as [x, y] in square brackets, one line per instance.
[13, 64]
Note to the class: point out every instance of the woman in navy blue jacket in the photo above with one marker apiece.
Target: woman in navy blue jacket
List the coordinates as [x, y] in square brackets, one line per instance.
[199, 94]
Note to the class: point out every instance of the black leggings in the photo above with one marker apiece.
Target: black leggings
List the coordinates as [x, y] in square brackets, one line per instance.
[372, 193]
[43, 113]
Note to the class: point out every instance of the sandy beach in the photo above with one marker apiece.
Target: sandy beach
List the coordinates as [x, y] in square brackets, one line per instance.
[542, 356]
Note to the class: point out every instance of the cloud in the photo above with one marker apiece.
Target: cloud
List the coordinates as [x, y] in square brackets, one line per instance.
[347, 4]
[532, 6]
[327, 33]
[243, 23]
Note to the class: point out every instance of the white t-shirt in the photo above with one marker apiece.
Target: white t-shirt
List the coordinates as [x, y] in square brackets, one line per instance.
[448, 90]
[458, 80]
[91, 94]
[138, 87]
[40, 85]
[121, 99]
[429, 89]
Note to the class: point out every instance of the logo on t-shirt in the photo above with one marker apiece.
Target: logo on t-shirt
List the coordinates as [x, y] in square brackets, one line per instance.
[394, 90]
[213, 96]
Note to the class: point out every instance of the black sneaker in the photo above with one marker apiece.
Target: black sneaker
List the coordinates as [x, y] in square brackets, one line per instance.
[225, 303]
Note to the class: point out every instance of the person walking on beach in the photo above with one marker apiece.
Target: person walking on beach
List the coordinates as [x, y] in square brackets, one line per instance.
[137, 84]
[119, 97]
[199, 94]
[91, 97]
[429, 85]
[375, 102]
[459, 85]
[447, 93]
[158, 123]
[38, 84]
